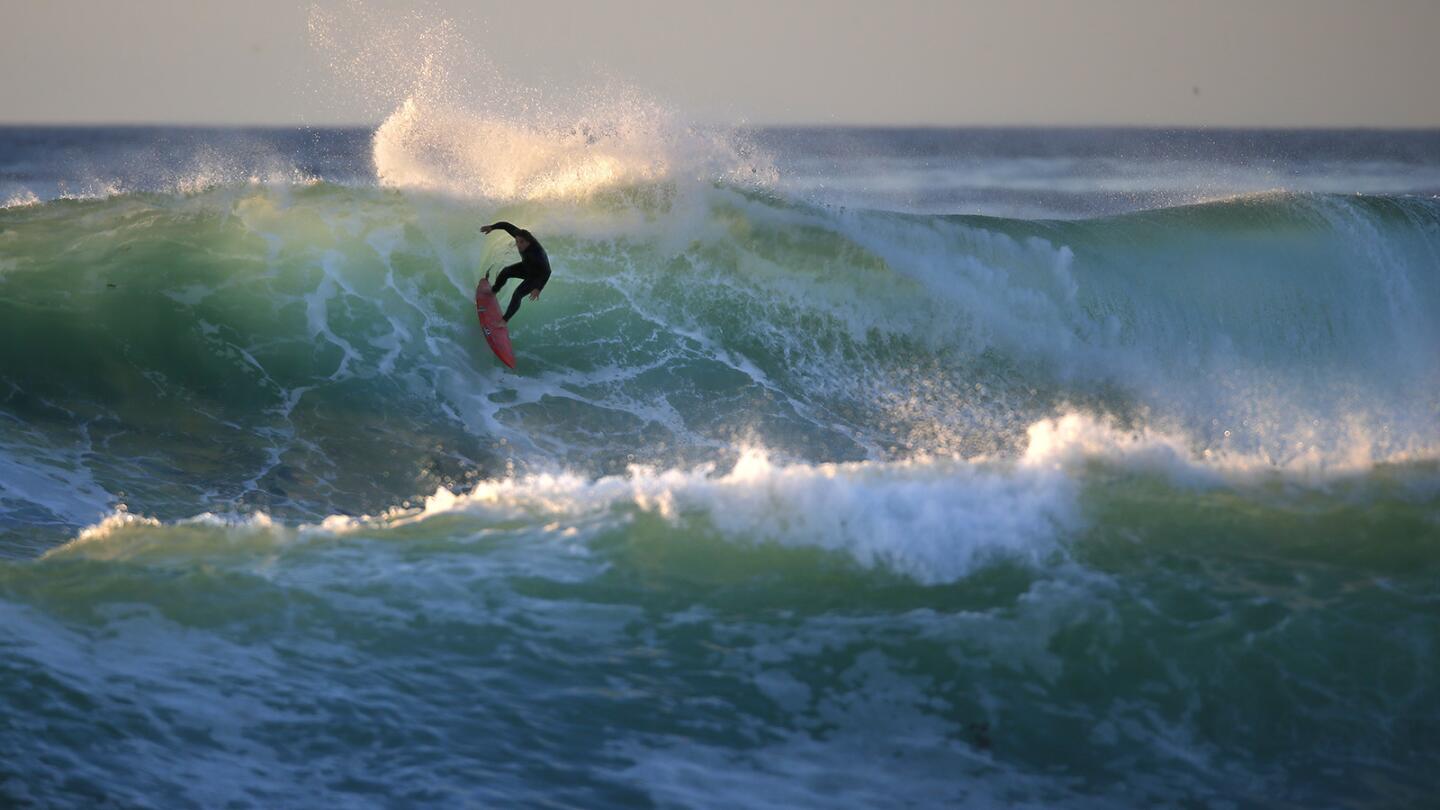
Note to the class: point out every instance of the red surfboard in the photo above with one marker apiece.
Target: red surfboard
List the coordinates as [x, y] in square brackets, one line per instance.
[488, 308]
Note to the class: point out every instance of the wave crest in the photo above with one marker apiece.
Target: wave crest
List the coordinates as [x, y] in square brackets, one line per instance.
[627, 141]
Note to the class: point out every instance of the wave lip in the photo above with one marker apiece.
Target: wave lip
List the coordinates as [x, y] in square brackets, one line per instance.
[932, 521]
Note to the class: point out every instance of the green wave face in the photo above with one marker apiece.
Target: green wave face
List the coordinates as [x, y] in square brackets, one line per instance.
[313, 349]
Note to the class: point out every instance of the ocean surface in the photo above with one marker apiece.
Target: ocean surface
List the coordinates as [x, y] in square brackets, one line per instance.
[841, 468]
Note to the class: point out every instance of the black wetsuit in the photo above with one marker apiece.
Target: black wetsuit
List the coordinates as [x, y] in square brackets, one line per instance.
[533, 269]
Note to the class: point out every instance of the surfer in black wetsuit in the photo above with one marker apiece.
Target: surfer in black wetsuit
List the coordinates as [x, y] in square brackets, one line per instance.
[533, 269]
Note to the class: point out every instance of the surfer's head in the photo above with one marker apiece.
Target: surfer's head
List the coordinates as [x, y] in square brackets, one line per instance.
[521, 242]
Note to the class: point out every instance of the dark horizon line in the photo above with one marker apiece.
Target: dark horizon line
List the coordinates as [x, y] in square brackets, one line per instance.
[273, 127]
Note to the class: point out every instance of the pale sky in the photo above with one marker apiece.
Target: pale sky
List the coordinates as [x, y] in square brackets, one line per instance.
[1148, 62]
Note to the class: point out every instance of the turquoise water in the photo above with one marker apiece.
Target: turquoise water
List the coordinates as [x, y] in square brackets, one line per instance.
[786, 504]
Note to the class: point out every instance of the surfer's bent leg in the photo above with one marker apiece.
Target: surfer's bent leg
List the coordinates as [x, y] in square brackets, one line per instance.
[523, 290]
[513, 271]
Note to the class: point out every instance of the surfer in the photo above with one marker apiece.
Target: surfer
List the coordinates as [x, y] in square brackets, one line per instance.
[533, 269]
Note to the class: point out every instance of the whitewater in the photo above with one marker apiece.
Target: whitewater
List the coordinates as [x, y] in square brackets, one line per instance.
[840, 468]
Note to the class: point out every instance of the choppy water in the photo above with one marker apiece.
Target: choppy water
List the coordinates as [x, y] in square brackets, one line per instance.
[824, 480]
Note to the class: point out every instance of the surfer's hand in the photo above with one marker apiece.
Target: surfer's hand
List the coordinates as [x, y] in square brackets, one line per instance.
[535, 296]
[486, 228]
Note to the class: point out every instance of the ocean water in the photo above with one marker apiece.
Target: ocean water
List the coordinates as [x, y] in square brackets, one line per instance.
[841, 468]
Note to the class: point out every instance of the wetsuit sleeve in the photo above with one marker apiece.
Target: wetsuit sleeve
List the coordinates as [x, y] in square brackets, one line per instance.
[506, 227]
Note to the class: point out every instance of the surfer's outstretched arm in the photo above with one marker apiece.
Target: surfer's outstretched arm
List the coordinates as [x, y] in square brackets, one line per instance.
[501, 225]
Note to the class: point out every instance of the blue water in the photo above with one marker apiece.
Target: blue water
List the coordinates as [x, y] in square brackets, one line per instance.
[871, 468]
